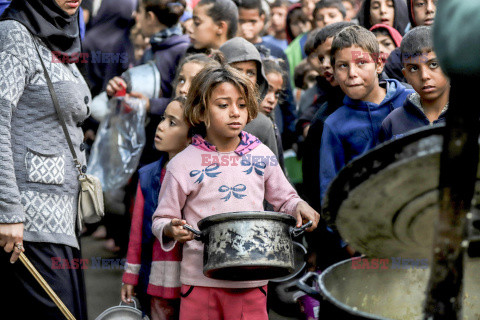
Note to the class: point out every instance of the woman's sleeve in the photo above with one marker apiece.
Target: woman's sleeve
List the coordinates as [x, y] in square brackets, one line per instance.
[12, 83]
[171, 201]
[278, 190]
[134, 252]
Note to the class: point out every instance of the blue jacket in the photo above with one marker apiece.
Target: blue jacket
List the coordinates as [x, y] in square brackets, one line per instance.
[406, 118]
[149, 180]
[3, 5]
[353, 129]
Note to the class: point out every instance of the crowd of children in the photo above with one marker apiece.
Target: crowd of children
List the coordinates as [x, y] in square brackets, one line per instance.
[330, 79]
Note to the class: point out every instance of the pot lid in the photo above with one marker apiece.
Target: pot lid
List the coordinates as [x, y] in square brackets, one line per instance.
[246, 215]
[384, 203]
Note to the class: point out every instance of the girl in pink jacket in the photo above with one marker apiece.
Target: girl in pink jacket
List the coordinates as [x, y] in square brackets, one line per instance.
[221, 171]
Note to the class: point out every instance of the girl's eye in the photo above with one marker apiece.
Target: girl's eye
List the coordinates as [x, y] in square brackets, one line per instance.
[223, 106]
[362, 62]
[250, 73]
[172, 123]
[343, 65]
[181, 80]
[321, 59]
[434, 65]
[242, 105]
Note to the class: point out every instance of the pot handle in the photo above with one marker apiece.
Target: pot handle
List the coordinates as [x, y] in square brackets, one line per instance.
[310, 290]
[128, 304]
[198, 235]
[295, 232]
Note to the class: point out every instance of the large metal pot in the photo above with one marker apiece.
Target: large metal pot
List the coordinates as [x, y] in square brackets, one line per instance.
[350, 293]
[248, 245]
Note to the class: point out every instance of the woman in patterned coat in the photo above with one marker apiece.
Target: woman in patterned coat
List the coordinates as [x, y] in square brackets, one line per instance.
[38, 180]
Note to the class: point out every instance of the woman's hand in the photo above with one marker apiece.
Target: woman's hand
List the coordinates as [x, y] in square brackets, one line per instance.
[175, 230]
[305, 213]
[114, 85]
[127, 293]
[11, 238]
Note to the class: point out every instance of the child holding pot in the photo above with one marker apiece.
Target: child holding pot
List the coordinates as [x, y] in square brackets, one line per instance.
[209, 177]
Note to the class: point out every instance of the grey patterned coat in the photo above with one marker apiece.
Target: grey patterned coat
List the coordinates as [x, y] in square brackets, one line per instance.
[38, 179]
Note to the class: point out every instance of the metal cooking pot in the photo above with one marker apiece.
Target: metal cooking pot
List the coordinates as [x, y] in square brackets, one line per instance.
[145, 79]
[283, 292]
[122, 312]
[248, 245]
[383, 294]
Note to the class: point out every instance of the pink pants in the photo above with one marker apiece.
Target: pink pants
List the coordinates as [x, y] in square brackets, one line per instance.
[204, 303]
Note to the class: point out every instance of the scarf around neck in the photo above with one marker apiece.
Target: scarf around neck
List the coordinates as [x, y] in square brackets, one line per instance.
[46, 20]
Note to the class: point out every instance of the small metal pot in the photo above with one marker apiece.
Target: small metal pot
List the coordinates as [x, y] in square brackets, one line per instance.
[248, 245]
[145, 79]
[122, 312]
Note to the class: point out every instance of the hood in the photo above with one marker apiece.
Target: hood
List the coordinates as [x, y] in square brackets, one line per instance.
[394, 89]
[394, 34]
[248, 142]
[293, 7]
[414, 104]
[239, 50]
[400, 21]
[172, 41]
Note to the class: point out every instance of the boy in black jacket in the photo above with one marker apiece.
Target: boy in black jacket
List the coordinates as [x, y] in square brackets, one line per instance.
[429, 103]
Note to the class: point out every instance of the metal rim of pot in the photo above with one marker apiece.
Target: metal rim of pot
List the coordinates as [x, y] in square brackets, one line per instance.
[122, 311]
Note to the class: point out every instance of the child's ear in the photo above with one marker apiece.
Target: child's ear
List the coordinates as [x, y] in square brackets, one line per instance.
[262, 17]
[380, 65]
[222, 28]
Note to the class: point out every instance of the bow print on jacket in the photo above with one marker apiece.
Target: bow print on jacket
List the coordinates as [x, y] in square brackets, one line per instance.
[233, 191]
[209, 171]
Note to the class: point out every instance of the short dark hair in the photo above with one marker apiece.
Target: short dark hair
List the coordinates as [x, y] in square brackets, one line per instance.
[309, 46]
[250, 5]
[355, 36]
[223, 10]
[299, 73]
[280, 3]
[168, 12]
[416, 42]
[337, 4]
[330, 31]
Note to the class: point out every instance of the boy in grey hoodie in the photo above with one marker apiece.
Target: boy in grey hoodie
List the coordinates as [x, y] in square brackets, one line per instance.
[243, 56]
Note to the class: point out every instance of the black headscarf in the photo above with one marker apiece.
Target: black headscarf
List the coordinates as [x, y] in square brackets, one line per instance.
[45, 19]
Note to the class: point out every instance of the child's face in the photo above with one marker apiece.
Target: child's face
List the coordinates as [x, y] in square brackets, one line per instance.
[424, 11]
[326, 69]
[298, 27]
[188, 71]
[204, 29]
[279, 19]
[356, 72]
[309, 78]
[426, 77]
[140, 43]
[188, 26]
[351, 10]
[386, 45]
[147, 21]
[227, 112]
[248, 68]
[172, 131]
[307, 7]
[275, 85]
[250, 24]
[382, 11]
[326, 16]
